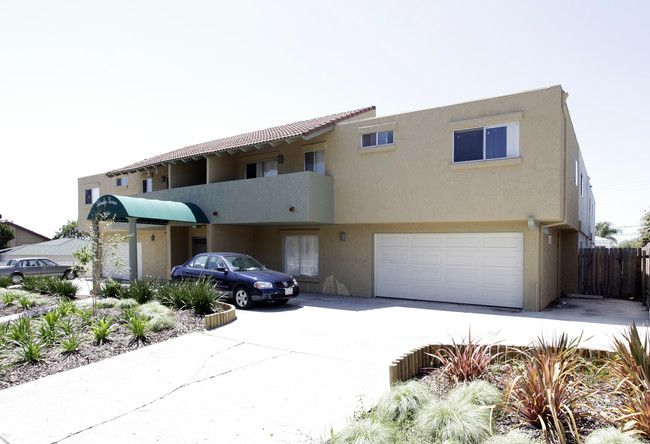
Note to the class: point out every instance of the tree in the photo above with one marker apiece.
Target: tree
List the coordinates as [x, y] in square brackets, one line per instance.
[6, 234]
[70, 229]
[644, 230]
[607, 231]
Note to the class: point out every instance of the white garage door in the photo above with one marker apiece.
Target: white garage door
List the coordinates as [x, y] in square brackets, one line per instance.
[468, 268]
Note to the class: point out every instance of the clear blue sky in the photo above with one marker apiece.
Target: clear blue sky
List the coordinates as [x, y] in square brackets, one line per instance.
[89, 86]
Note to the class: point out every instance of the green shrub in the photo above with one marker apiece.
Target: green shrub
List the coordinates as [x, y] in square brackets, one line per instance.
[31, 350]
[60, 287]
[113, 289]
[174, 295]
[123, 304]
[73, 341]
[25, 302]
[160, 317]
[66, 308]
[107, 303]
[454, 421]
[35, 284]
[5, 281]
[366, 430]
[138, 326]
[67, 325]
[402, 400]
[101, 328]
[202, 295]
[142, 290]
[9, 297]
[20, 330]
[46, 333]
[611, 436]
[477, 392]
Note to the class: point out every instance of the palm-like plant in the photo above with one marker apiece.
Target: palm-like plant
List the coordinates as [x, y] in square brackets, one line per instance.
[607, 231]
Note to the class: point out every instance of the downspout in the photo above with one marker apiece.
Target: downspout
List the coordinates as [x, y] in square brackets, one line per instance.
[564, 209]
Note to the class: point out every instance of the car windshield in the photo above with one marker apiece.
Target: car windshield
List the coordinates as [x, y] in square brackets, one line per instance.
[239, 263]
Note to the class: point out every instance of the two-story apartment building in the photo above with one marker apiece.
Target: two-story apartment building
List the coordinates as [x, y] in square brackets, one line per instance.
[485, 202]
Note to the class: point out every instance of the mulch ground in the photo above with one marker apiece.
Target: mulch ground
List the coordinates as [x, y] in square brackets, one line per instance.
[121, 341]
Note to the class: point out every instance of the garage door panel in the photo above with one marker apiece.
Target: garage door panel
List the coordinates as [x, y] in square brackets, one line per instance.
[471, 268]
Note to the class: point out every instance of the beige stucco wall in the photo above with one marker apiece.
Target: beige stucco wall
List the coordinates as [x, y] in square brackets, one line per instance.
[415, 181]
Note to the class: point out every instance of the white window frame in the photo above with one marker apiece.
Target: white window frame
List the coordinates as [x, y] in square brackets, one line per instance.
[305, 265]
[512, 141]
[377, 137]
[318, 165]
[94, 195]
[121, 182]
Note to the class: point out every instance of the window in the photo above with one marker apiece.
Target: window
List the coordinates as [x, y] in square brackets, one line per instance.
[487, 142]
[91, 195]
[376, 139]
[121, 181]
[146, 185]
[315, 161]
[582, 185]
[300, 255]
[575, 171]
[263, 168]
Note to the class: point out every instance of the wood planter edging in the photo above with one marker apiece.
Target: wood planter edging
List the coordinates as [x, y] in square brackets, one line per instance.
[412, 363]
[224, 317]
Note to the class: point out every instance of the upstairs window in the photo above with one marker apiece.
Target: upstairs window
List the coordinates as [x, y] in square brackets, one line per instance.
[263, 168]
[487, 142]
[121, 182]
[377, 139]
[315, 161]
[91, 195]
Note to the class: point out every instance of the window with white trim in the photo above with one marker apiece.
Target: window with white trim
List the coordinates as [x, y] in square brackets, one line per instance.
[263, 168]
[121, 182]
[315, 161]
[91, 195]
[300, 255]
[486, 142]
[377, 139]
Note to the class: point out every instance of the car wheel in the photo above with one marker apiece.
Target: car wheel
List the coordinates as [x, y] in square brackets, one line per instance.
[281, 301]
[242, 298]
[69, 275]
[16, 278]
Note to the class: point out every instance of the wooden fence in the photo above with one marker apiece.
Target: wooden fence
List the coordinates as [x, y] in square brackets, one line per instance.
[614, 272]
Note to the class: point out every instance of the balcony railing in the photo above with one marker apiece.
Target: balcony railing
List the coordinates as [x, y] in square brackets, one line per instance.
[297, 199]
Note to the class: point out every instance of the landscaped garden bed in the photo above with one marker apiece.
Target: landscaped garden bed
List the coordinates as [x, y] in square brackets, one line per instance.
[54, 333]
[548, 392]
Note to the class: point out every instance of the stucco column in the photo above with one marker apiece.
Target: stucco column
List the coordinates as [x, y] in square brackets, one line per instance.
[133, 249]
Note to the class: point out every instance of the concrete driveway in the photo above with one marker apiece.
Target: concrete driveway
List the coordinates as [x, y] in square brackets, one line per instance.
[277, 374]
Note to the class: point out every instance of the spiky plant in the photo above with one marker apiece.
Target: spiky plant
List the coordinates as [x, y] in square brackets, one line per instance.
[464, 361]
[138, 326]
[8, 297]
[402, 400]
[632, 367]
[453, 420]
[5, 281]
[113, 289]
[547, 389]
[101, 328]
[365, 430]
[142, 290]
[31, 350]
[174, 295]
[73, 341]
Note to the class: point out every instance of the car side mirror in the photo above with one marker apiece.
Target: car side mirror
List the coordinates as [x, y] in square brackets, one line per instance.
[222, 269]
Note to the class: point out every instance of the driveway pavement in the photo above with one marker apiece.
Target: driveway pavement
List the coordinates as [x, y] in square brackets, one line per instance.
[277, 374]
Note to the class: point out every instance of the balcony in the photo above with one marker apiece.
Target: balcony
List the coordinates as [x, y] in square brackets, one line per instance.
[295, 199]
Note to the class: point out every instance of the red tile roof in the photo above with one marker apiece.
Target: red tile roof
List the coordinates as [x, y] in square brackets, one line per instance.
[278, 133]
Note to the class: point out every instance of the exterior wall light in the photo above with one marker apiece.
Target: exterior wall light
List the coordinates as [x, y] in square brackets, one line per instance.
[215, 213]
[153, 237]
[292, 209]
[280, 158]
[342, 236]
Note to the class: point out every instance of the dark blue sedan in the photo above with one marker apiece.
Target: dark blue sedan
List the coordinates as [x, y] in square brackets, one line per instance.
[244, 278]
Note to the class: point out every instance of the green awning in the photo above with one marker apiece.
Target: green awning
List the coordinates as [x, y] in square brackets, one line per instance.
[146, 211]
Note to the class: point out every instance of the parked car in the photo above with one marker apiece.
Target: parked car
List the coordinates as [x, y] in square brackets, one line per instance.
[39, 266]
[242, 277]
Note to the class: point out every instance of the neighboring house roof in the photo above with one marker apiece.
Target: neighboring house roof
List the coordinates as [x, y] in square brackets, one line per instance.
[305, 129]
[18, 227]
[58, 247]
[603, 242]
